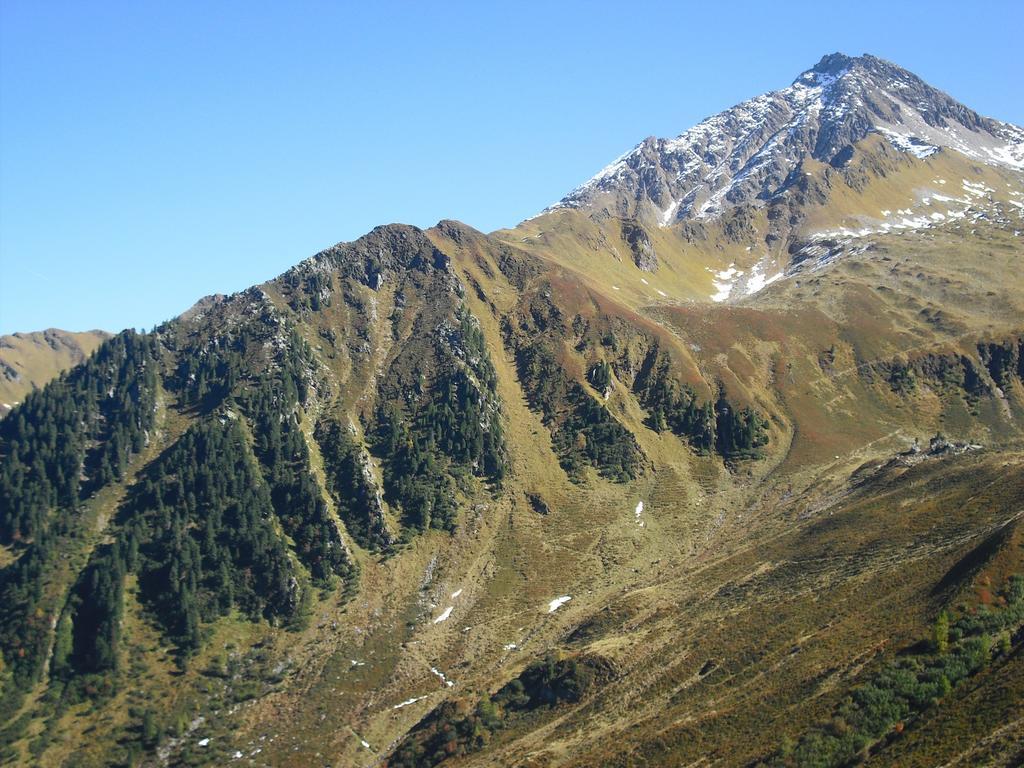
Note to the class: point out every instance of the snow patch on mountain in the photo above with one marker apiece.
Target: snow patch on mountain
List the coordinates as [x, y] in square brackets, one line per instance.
[907, 143]
[558, 602]
[666, 216]
[735, 283]
[444, 616]
[977, 206]
[441, 675]
[406, 703]
[723, 283]
[759, 279]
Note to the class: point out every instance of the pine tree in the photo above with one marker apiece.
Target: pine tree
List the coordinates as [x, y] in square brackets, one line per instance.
[940, 633]
[149, 732]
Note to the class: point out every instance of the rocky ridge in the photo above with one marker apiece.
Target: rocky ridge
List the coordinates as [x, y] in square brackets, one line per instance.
[755, 150]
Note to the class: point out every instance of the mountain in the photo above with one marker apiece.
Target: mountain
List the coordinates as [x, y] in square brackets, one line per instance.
[788, 178]
[755, 151]
[739, 485]
[29, 360]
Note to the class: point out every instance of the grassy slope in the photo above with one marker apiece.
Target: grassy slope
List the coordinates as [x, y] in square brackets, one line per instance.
[880, 179]
[515, 561]
[29, 360]
[788, 576]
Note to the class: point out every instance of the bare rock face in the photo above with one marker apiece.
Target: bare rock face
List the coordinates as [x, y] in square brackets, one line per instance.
[750, 153]
[644, 255]
[374, 502]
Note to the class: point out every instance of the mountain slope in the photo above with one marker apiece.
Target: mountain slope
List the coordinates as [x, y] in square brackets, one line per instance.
[854, 148]
[29, 360]
[751, 152]
[537, 498]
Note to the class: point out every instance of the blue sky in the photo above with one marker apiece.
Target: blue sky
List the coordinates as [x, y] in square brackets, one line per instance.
[152, 153]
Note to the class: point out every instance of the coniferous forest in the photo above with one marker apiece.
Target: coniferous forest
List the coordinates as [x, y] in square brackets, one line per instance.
[716, 460]
[201, 473]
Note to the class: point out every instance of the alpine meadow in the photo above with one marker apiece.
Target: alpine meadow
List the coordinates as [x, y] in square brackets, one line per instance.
[717, 461]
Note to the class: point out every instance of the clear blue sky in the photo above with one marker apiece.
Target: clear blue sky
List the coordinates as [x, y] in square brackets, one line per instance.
[155, 152]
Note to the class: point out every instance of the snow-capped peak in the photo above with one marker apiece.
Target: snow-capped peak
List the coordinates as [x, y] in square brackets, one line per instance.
[752, 150]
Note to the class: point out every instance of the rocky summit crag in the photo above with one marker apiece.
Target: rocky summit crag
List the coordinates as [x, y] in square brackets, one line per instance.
[637, 482]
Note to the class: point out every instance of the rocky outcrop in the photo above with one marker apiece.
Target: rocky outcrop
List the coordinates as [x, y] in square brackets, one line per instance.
[644, 255]
[997, 366]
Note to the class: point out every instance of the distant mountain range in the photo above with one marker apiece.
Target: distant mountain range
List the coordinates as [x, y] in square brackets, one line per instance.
[717, 461]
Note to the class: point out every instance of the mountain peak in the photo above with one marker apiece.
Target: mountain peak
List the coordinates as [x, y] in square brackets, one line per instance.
[749, 153]
[866, 69]
[833, 63]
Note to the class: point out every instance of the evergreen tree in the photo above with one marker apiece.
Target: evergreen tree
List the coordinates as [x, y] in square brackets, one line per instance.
[940, 633]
